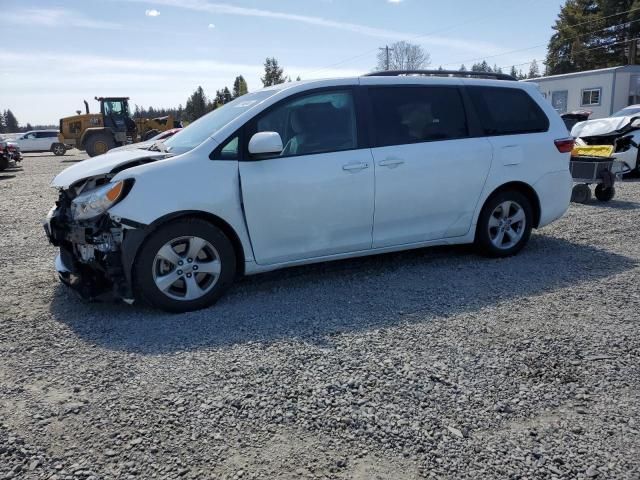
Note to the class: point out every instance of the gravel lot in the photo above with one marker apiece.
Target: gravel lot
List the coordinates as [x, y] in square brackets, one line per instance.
[432, 363]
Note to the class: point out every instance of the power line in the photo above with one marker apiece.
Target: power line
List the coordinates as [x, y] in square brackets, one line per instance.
[583, 50]
[368, 52]
[342, 62]
[543, 44]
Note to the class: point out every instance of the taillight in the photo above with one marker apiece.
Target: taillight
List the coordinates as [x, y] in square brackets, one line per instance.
[564, 145]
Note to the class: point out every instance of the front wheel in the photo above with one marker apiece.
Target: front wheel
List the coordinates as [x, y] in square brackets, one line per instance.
[504, 225]
[185, 265]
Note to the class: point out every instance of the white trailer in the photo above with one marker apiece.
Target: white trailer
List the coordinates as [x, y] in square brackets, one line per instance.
[603, 91]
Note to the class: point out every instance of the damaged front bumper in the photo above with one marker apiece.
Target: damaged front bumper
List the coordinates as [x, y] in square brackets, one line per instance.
[94, 259]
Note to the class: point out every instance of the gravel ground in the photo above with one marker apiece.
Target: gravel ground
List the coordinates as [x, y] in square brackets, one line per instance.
[432, 363]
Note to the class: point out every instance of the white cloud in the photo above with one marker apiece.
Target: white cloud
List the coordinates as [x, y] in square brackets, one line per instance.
[480, 47]
[160, 82]
[211, 26]
[395, 1]
[55, 17]
[152, 12]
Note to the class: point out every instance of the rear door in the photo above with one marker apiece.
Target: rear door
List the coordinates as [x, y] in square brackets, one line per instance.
[430, 171]
[315, 198]
[517, 128]
[43, 140]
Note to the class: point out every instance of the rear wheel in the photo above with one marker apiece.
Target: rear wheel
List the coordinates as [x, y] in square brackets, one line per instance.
[4, 162]
[581, 193]
[605, 194]
[99, 143]
[504, 225]
[185, 265]
[58, 149]
[149, 135]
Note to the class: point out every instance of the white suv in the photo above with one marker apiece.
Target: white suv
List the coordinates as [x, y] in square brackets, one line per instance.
[314, 171]
[41, 141]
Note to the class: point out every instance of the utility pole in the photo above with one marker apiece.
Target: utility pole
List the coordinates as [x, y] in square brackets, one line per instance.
[387, 50]
[633, 48]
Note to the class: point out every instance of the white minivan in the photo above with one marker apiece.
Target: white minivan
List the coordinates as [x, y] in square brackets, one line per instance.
[309, 172]
[41, 141]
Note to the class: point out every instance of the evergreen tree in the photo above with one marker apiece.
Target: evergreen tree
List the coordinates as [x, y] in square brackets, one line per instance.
[196, 105]
[534, 71]
[226, 95]
[298, 78]
[513, 72]
[481, 67]
[273, 74]
[591, 34]
[10, 122]
[3, 128]
[239, 87]
[463, 68]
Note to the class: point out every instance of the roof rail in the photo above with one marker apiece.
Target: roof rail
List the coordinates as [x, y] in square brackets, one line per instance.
[441, 73]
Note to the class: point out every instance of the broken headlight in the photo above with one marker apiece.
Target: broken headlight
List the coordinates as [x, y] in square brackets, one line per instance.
[97, 201]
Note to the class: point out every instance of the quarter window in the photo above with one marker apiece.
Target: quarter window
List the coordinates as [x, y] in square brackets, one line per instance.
[591, 96]
[228, 150]
[404, 115]
[507, 111]
[316, 123]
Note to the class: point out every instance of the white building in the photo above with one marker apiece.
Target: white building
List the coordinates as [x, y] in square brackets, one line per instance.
[603, 91]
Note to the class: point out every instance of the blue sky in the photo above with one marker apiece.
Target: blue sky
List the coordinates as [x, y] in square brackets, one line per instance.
[54, 53]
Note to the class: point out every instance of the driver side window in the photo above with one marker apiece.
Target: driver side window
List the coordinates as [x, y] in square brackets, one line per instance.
[315, 123]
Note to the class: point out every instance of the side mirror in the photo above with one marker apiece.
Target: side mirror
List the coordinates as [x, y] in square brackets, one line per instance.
[636, 123]
[265, 142]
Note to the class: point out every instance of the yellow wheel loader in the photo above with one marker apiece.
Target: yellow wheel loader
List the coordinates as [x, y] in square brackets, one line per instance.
[97, 133]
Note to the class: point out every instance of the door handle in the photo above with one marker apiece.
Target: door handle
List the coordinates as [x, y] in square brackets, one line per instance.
[351, 167]
[391, 162]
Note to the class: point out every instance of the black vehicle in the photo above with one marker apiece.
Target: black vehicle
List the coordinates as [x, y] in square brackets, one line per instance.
[9, 152]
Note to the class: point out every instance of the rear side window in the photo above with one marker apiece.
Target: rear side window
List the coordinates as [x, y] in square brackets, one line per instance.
[507, 111]
[404, 115]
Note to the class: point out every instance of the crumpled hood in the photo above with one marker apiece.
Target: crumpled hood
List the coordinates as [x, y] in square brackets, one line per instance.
[101, 165]
[600, 126]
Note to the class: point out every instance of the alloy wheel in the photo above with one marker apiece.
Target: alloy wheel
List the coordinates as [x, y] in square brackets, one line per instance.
[186, 268]
[507, 225]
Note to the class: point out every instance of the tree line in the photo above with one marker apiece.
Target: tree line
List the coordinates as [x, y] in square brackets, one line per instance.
[9, 124]
[199, 103]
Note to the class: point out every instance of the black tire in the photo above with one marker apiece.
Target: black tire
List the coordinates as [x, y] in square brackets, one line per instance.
[99, 143]
[581, 193]
[4, 162]
[58, 149]
[484, 243]
[149, 135]
[605, 194]
[145, 265]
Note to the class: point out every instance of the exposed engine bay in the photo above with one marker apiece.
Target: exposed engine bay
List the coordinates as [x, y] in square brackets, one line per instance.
[95, 249]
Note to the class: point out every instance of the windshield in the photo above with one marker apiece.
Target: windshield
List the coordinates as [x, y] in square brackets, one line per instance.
[197, 132]
[627, 112]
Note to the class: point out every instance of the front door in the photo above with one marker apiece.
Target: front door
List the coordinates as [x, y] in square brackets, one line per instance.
[429, 173]
[28, 143]
[316, 198]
